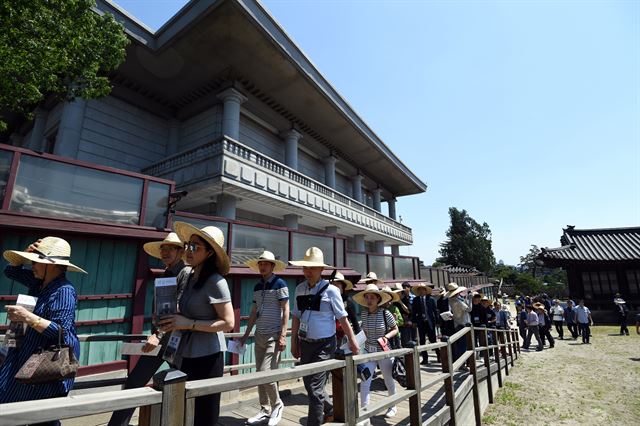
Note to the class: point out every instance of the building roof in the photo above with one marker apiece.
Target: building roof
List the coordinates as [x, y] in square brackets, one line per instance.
[461, 269]
[595, 245]
[170, 75]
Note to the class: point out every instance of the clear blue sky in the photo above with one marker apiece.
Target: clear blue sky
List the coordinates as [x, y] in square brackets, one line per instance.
[524, 113]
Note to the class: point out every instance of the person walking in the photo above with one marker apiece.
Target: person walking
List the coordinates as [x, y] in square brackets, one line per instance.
[502, 319]
[270, 315]
[584, 320]
[521, 320]
[623, 312]
[197, 345]
[423, 316]
[53, 313]
[345, 286]
[445, 318]
[460, 310]
[316, 307]
[407, 331]
[570, 318]
[544, 323]
[533, 329]
[558, 318]
[377, 324]
[170, 252]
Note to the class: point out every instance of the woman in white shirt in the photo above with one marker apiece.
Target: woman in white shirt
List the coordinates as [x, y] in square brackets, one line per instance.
[557, 312]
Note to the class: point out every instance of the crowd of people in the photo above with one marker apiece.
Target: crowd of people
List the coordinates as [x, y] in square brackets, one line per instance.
[324, 316]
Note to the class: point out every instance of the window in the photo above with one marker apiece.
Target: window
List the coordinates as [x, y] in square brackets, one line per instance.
[201, 223]
[340, 252]
[357, 262]
[249, 242]
[157, 205]
[404, 269]
[301, 242]
[50, 140]
[382, 266]
[5, 165]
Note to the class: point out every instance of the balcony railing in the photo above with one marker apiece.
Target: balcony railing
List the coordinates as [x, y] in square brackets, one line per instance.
[44, 185]
[253, 168]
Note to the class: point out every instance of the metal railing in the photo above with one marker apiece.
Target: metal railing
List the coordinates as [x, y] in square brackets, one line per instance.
[172, 400]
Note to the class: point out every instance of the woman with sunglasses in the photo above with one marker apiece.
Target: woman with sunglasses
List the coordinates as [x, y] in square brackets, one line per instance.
[197, 343]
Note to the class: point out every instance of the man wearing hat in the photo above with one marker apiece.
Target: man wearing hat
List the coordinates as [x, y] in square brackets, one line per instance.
[622, 311]
[170, 251]
[316, 307]
[460, 310]
[270, 314]
[423, 315]
[407, 332]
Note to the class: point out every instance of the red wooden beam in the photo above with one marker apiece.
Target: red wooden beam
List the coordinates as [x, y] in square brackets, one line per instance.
[139, 292]
[105, 367]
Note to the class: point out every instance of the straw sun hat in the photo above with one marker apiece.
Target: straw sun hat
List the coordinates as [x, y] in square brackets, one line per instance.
[153, 248]
[348, 285]
[454, 289]
[266, 256]
[371, 289]
[371, 278]
[420, 286]
[313, 257]
[50, 251]
[211, 235]
[395, 295]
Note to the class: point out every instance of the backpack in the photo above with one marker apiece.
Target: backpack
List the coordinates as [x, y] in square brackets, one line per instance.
[399, 372]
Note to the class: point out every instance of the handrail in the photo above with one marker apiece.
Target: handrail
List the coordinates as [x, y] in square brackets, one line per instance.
[177, 396]
[453, 338]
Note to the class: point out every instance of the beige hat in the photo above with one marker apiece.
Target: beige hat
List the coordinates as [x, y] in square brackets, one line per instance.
[371, 288]
[420, 286]
[50, 251]
[371, 278]
[313, 257]
[211, 235]
[395, 297]
[454, 289]
[485, 298]
[153, 248]
[397, 287]
[266, 256]
[348, 285]
[538, 305]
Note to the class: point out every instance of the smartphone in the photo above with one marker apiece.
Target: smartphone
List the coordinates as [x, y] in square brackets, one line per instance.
[383, 344]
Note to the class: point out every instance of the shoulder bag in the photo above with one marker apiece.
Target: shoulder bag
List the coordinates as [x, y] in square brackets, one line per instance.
[49, 365]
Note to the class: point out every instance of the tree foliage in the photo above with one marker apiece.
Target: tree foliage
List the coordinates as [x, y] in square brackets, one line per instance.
[550, 281]
[55, 47]
[468, 242]
[528, 261]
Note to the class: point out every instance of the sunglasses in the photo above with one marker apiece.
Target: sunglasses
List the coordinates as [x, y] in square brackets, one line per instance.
[193, 247]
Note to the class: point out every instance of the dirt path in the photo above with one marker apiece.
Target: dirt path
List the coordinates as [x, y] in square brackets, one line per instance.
[571, 384]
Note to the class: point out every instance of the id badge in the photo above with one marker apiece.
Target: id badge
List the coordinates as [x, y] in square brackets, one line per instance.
[170, 351]
[302, 331]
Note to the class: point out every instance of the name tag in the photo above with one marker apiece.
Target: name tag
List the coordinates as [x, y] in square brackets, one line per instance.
[304, 328]
[172, 346]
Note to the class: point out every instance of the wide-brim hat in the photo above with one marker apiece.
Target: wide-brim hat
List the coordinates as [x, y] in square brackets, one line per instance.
[420, 286]
[371, 288]
[211, 235]
[266, 256]
[50, 251]
[153, 248]
[395, 296]
[538, 305]
[619, 301]
[371, 278]
[454, 289]
[348, 285]
[313, 257]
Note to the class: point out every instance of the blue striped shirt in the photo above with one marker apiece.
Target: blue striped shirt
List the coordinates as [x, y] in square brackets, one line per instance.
[267, 296]
[56, 303]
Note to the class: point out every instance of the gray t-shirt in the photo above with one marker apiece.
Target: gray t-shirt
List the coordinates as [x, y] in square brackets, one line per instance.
[198, 305]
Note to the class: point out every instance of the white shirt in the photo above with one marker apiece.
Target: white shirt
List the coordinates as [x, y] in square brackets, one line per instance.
[322, 323]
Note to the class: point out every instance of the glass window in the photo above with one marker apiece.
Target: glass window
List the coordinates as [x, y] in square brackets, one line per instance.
[633, 279]
[157, 205]
[404, 269]
[301, 242]
[49, 188]
[339, 252]
[357, 262]
[249, 242]
[382, 266]
[5, 165]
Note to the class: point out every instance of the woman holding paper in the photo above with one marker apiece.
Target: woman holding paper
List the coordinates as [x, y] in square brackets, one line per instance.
[54, 309]
[196, 345]
[379, 326]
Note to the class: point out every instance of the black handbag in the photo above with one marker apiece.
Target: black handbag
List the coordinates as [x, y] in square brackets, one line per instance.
[49, 365]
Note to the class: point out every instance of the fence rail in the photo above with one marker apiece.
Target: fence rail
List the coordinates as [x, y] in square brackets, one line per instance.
[171, 402]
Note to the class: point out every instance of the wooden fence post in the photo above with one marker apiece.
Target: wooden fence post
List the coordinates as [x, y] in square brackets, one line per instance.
[503, 350]
[412, 363]
[487, 363]
[509, 337]
[449, 391]
[171, 382]
[517, 347]
[350, 391]
[337, 386]
[496, 354]
[471, 343]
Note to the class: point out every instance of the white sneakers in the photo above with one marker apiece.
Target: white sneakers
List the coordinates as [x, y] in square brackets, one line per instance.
[276, 414]
[391, 412]
[259, 418]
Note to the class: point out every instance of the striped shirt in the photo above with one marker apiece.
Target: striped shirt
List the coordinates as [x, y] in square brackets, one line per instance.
[374, 327]
[267, 296]
[56, 303]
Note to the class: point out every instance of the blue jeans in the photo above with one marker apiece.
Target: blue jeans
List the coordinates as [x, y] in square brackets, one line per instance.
[584, 327]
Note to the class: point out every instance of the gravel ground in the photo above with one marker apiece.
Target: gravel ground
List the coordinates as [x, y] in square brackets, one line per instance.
[573, 383]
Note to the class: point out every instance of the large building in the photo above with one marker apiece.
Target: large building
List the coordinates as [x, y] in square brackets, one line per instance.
[220, 103]
[599, 264]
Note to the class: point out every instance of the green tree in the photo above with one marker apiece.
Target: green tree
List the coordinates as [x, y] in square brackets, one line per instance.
[528, 262]
[468, 242]
[61, 48]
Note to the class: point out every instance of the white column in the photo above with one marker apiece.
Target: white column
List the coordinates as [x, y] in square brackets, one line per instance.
[291, 138]
[330, 171]
[358, 241]
[356, 183]
[332, 230]
[291, 221]
[36, 140]
[174, 136]
[395, 250]
[377, 197]
[226, 206]
[392, 208]
[68, 138]
[232, 98]
[379, 246]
